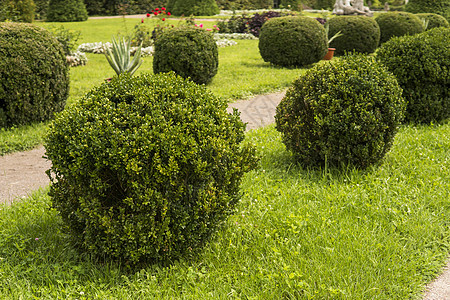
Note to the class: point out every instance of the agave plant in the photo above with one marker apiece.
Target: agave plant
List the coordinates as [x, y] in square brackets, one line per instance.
[119, 56]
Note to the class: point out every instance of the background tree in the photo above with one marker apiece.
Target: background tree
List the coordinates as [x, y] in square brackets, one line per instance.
[440, 7]
[66, 11]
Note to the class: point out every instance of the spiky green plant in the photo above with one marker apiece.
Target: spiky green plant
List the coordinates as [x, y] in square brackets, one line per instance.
[119, 57]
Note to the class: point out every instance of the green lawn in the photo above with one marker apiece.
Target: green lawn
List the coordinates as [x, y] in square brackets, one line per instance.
[298, 233]
[380, 233]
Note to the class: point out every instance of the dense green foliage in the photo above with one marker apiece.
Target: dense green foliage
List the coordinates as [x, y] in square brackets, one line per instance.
[441, 7]
[292, 41]
[189, 52]
[146, 167]
[193, 7]
[17, 10]
[66, 11]
[343, 112]
[398, 24]
[244, 4]
[41, 9]
[434, 20]
[118, 7]
[34, 79]
[421, 64]
[359, 33]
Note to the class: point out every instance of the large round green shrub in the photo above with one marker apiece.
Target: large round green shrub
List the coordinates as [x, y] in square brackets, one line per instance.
[145, 168]
[441, 7]
[189, 52]
[66, 11]
[292, 41]
[17, 10]
[421, 64]
[343, 112]
[193, 7]
[359, 33]
[398, 24]
[34, 75]
[434, 20]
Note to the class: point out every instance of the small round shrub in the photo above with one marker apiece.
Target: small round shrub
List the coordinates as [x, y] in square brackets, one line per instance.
[398, 24]
[343, 112]
[421, 64]
[434, 20]
[66, 11]
[359, 33]
[34, 75]
[441, 7]
[193, 7]
[189, 52]
[292, 41]
[17, 10]
[145, 168]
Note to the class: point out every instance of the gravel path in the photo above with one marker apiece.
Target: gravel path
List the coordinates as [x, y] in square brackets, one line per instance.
[23, 172]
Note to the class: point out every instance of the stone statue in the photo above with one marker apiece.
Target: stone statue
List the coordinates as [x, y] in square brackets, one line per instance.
[351, 7]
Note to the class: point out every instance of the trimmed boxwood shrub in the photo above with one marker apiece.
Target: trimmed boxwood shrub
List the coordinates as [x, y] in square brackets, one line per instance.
[292, 41]
[421, 64]
[193, 7]
[441, 7]
[398, 24]
[359, 33]
[145, 168]
[17, 10]
[434, 20]
[66, 11]
[343, 112]
[189, 52]
[34, 75]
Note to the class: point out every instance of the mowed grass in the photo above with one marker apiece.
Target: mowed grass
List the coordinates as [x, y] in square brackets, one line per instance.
[242, 73]
[298, 233]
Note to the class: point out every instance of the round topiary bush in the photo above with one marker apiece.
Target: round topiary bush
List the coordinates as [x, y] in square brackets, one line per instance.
[441, 7]
[344, 112]
[292, 41]
[421, 64]
[434, 20]
[34, 75]
[145, 168]
[359, 33]
[189, 52]
[193, 7]
[66, 11]
[398, 24]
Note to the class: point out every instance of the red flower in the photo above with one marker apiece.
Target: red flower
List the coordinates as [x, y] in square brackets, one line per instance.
[163, 19]
[156, 9]
[163, 8]
[155, 13]
[142, 21]
[148, 15]
[168, 13]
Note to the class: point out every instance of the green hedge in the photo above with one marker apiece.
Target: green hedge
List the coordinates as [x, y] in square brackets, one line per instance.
[34, 75]
[434, 20]
[193, 7]
[189, 52]
[17, 10]
[421, 64]
[359, 33]
[292, 41]
[343, 112]
[398, 24]
[66, 11]
[146, 168]
[244, 4]
[440, 7]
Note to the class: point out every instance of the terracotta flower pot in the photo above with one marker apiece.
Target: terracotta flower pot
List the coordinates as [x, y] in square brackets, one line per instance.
[329, 54]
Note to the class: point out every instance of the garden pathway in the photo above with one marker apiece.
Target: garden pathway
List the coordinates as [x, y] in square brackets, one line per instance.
[23, 172]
